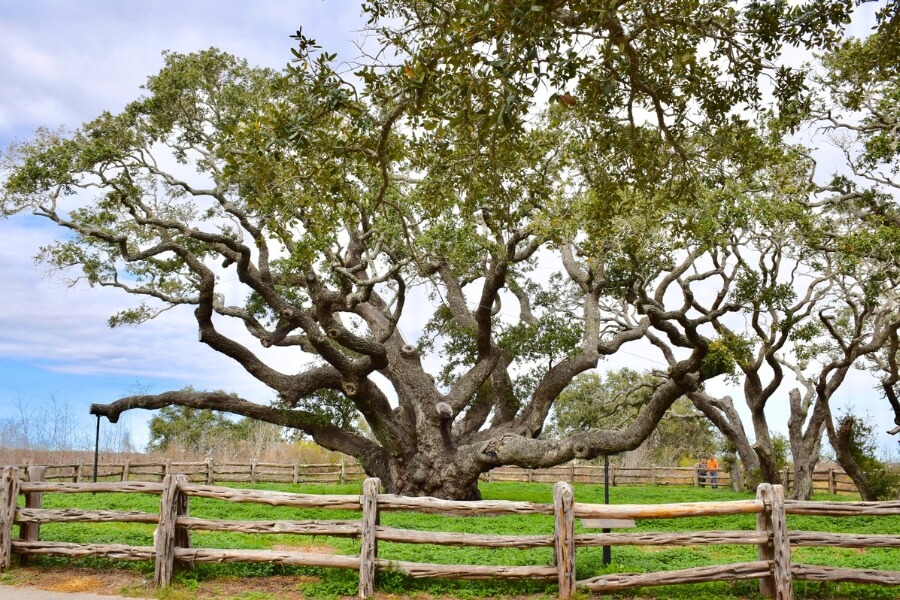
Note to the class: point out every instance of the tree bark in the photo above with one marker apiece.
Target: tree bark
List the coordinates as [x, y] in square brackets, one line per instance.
[805, 445]
[723, 415]
[433, 472]
[768, 469]
[840, 441]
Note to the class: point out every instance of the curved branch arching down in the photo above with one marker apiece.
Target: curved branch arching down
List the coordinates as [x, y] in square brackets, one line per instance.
[537, 453]
[371, 455]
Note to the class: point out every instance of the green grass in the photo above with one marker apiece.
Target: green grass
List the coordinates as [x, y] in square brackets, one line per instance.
[330, 583]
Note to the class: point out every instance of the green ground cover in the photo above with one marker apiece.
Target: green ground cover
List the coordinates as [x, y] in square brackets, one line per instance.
[338, 582]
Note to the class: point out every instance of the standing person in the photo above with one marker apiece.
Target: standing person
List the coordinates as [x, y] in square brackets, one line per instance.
[712, 471]
[701, 473]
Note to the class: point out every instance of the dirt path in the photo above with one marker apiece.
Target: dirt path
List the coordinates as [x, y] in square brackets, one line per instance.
[12, 592]
[31, 583]
[73, 583]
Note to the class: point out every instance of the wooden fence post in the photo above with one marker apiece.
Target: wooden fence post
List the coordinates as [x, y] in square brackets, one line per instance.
[831, 484]
[764, 525]
[696, 476]
[653, 475]
[368, 551]
[126, 469]
[343, 473]
[778, 550]
[30, 532]
[253, 472]
[295, 478]
[173, 504]
[564, 538]
[78, 469]
[210, 471]
[612, 477]
[9, 496]
[781, 547]
[572, 471]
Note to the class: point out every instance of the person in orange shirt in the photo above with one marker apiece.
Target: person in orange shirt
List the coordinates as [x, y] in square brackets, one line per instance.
[712, 471]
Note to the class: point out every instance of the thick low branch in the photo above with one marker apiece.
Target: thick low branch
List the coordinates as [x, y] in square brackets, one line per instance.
[526, 452]
[325, 434]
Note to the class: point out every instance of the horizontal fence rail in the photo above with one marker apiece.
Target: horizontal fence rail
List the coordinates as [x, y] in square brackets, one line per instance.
[172, 541]
[828, 480]
[208, 472]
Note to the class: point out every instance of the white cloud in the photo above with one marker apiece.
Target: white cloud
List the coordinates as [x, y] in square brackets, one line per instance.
[64, 329]
[63, 64]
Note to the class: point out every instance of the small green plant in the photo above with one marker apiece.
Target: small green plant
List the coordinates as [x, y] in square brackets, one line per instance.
[781, 448]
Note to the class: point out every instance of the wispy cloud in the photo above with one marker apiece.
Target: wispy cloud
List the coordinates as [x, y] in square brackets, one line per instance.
[63, 64]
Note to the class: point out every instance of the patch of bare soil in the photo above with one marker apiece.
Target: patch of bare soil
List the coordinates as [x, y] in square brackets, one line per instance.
[132, 584]
[94, 581]
[114, 582]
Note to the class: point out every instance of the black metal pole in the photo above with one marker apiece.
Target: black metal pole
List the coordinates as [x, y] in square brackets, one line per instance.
[607, 554]
[96, 448]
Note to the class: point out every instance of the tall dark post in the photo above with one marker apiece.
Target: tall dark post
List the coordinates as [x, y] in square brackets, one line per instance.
[607, 554]
[96, 448]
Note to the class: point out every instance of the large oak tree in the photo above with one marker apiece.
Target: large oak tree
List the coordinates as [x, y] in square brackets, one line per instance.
[344, 208]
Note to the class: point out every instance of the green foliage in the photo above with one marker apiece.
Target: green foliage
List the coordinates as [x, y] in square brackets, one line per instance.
[331, 407]
[197, 431]
[885, 483]
[682, 435]
[593, 401]
[726, 354]
[486, 62]
[781, 450]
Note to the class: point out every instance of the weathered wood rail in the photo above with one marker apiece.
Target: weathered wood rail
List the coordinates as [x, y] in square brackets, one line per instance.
[172, 542]
[832, 481]
[825, 480]
[207, 471]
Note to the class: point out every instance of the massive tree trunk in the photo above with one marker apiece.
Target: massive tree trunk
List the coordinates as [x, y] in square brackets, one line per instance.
[434, 472]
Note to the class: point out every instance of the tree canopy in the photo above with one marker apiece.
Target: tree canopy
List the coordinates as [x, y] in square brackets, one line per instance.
[527, 189]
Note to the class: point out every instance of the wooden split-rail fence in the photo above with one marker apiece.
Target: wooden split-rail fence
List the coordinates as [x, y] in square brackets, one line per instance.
[172, 542]
[207, 471]
[828, 480]
[825, 480]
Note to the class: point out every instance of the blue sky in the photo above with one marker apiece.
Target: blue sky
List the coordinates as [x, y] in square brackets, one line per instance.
[61, 64]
